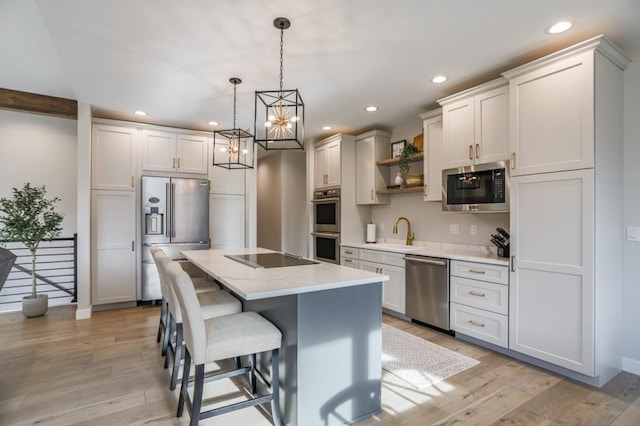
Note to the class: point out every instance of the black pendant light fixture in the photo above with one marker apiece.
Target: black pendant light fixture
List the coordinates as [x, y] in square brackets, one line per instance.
[279, 117]
[233, 149]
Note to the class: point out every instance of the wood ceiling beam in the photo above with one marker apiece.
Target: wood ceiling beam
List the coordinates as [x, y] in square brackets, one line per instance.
[39, 104]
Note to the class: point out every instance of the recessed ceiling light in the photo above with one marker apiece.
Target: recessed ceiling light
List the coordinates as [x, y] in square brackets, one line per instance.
[140, 113]
[326, 127]
[371, 108]
[439, 79]
[213, 123]
[560, 27]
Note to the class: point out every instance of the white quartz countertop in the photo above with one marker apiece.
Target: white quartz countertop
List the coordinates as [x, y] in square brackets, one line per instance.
[448, 251]
[251, 284]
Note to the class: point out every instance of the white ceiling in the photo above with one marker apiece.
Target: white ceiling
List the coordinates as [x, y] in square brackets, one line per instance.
[174, 59]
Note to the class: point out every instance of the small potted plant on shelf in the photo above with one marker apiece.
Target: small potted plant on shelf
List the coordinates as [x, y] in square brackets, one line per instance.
[30, 218]
[405, 158]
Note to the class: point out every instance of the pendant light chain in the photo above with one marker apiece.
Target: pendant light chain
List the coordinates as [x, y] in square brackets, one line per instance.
[281, 55]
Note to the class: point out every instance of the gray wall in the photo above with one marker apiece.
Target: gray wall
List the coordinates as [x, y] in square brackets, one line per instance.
[631, 307]
[269, 205]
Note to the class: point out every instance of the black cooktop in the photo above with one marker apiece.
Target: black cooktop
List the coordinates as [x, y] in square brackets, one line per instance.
[270, 260]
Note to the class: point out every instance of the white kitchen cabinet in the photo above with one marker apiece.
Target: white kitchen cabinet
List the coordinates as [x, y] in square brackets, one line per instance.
[566, 290]
[371, 147]
[164, 151]
[349, 256]
[113, 159]
[327, 162]
[480, 301]
[433, 146]
[476, 125]
[227, 220]
[113, 258]
[392, 264]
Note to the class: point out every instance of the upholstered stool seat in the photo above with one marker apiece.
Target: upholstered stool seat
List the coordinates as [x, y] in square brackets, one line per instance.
[215, 339]
[203, 284]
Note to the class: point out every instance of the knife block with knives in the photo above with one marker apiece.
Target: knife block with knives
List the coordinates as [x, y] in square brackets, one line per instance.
[501, 241]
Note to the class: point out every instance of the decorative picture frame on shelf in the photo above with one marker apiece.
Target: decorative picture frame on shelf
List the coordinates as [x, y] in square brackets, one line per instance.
[397, 147]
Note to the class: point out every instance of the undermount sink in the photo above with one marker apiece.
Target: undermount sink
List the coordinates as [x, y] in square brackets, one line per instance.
[401, 248]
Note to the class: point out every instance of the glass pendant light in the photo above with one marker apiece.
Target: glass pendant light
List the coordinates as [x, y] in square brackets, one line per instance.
[279, 116]
[233, 149]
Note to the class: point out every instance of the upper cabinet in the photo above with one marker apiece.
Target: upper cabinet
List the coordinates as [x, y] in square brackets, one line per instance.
[371, 147]
[327, 162]
[434, 148]
[552, 108]
[171, 152]
[113, 158]
[476, 125]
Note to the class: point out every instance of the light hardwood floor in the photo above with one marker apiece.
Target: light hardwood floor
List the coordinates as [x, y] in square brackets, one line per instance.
[107, 370]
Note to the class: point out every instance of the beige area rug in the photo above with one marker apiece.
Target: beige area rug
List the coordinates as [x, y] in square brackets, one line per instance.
[417, 361]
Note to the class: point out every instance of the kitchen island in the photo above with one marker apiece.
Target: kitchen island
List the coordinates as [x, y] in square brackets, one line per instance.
[330, 318]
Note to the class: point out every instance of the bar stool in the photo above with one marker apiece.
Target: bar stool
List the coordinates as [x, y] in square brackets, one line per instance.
[214, 304]
[215, 339]
[200, 284]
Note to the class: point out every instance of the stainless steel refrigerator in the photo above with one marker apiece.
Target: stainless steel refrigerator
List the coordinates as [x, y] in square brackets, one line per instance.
[175, 216]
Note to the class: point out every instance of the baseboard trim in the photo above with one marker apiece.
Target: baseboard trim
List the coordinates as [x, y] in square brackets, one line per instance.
[631, 365]
[83, 314]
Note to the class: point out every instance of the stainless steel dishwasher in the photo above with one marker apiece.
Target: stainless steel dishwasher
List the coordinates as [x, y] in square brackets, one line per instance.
[427, 281]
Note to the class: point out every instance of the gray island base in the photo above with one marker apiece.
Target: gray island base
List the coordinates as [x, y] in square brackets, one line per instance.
[330, 317]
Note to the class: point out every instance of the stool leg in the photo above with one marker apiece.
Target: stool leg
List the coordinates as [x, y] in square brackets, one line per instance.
[197, 395]
[163, 311]
[275, 387]
[167, 334]
[177, 358]
[252, 374]
[167, 337]
[184, 389]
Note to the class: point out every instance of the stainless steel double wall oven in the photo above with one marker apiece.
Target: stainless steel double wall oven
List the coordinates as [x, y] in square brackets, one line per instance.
[326, 225]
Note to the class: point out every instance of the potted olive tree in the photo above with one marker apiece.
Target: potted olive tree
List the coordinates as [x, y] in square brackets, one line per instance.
[30, 218]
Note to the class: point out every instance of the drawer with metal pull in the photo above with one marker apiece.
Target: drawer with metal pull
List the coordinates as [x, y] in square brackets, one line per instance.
[352, 252]
[480, 294]
[483, 325]
[480, 271]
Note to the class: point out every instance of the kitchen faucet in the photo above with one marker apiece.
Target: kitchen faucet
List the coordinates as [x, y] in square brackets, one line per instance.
[410, 235]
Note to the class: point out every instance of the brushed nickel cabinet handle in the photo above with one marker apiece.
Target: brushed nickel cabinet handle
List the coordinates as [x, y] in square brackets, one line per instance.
[133, 247]
[372, 195]
[476, 293]
[178, 163]
[476, 323]
[133, 181]
[513, 263]
[173, 164]
[477, 150]
[348, 252]
[470, 152]
[426, 192]
[476, 271]
[513, 160]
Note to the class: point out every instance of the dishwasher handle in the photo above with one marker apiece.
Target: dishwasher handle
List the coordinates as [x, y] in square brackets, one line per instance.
[426, 260]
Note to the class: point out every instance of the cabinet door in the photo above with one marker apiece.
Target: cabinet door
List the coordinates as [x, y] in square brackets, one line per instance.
[552, 116]
[458, 133]
[191, 154]
[226, 220]
[113, 158]
[159, 152]
[551, 300]
[365, 171]
[432, 130]
[321, 159]
[492, 126]
[333, 163]
[394, 290]
[113, 269]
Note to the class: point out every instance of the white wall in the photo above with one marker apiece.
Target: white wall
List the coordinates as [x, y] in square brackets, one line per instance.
[41, 150]
[631, 169]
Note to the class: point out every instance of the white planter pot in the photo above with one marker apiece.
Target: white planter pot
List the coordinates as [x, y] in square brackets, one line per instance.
[35, 306]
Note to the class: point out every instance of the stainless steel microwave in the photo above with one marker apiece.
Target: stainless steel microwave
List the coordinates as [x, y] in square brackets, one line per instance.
[477, 188]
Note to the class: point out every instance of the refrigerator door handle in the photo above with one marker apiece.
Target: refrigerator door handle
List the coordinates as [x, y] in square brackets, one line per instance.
[167, 227]
[173, 210]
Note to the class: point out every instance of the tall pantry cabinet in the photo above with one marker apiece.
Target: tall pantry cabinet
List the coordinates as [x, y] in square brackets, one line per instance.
[566, 209]
[113, 217]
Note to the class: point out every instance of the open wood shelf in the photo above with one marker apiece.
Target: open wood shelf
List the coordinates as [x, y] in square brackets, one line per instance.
[393, 161]
[401, 190]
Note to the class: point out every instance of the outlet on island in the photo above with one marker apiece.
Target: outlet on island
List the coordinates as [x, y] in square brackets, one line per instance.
[453, 228]
[473, 229]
